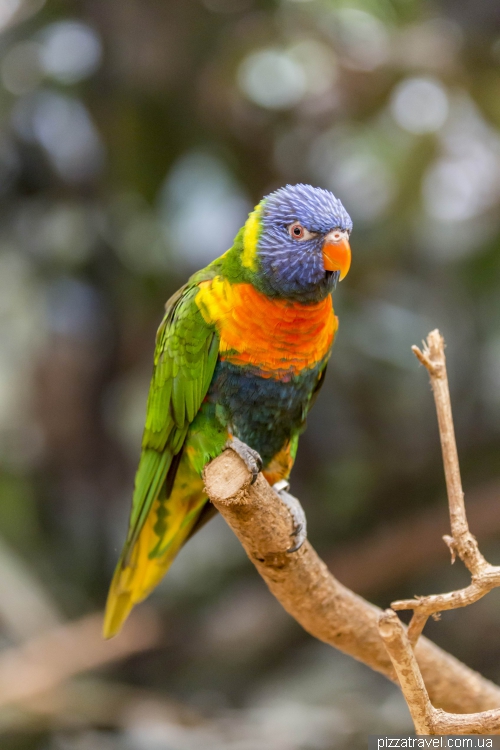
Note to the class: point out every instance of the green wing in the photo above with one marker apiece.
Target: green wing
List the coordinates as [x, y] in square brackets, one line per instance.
[185, 357]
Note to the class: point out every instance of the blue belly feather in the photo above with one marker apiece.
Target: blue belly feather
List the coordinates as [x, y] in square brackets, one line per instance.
[263, 412]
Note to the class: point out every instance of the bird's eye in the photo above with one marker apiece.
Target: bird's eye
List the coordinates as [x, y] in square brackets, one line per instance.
[298, 232]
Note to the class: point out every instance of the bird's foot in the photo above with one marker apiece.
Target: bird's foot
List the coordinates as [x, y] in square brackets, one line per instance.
[296, 511]
[251, 458]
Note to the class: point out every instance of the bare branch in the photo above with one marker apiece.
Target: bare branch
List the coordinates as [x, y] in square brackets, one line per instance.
[416, 626]
[484, 576]
[428, 605]
[325, 608]
[426, 718]
[462, 540]
[409, 676]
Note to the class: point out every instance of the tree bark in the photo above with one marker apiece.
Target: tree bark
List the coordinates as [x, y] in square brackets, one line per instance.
[324, 607]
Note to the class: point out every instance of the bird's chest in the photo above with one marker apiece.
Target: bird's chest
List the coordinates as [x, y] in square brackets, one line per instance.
[268, 337]
[264, 412]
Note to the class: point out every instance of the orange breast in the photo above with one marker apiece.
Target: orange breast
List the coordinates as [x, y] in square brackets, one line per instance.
[276, 337]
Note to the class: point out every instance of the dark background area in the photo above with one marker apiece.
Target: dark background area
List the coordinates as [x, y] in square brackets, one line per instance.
[135, 136]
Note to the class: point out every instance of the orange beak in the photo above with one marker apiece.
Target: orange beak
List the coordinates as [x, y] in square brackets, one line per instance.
[337, 253]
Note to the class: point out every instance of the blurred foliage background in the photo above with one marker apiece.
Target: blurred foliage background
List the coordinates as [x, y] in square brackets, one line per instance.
[134, 138]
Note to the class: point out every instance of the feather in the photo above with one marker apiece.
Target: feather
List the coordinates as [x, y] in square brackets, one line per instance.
[176, 394]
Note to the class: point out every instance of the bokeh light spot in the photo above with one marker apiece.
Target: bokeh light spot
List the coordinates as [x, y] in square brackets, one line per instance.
[350, 166]
[318, 63]
[63, 126]
[465, 181]
[202, 207]
[364, 39]
[420, 105]
[272, 79]
[71, 51]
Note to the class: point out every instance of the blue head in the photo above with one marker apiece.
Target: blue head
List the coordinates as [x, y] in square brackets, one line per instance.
[296, 242]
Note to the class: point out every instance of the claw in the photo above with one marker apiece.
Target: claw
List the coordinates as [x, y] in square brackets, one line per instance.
[296, 511]
[251, 458]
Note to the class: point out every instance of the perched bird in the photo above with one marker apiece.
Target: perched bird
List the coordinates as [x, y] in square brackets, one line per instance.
[240, 357]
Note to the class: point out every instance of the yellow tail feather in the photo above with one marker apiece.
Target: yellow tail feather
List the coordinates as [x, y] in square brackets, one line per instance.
[133, 582]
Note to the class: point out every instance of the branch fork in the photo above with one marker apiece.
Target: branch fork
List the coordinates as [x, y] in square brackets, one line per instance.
[311, 594]
[484, 576]
[426, 718]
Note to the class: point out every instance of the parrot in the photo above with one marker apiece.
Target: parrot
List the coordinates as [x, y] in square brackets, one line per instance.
[240, 357]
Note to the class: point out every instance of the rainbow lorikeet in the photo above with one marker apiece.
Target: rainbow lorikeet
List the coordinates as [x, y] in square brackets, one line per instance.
[240, 356]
